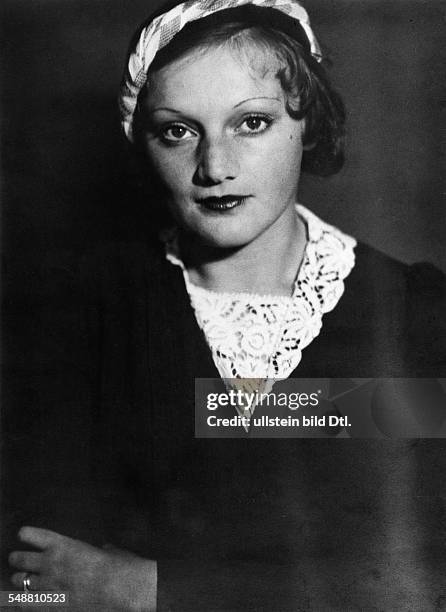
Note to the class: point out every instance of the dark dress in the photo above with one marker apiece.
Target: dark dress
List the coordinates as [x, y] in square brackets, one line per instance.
[260, 524]
[246, 524]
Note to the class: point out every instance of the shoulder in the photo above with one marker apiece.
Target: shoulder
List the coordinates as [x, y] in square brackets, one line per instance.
[377, 266]
[426, 308]
[115, 260]
[402, 301]
[102, 262]
[112, 269]
[110, 275]
[379, 272]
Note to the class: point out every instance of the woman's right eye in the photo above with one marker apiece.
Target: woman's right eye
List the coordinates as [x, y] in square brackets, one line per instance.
[176, 133]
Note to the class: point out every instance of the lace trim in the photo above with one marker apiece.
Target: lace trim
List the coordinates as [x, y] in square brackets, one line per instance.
[262, 336]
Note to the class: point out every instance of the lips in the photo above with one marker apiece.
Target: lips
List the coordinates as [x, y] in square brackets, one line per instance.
[222, 203]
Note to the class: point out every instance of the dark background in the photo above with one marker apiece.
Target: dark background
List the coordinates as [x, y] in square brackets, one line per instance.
[65, 186]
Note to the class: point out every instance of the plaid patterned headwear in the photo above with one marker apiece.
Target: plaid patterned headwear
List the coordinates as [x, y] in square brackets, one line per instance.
[162, 29]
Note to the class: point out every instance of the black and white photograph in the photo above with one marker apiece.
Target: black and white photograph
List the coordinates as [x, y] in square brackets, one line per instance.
[223, 305]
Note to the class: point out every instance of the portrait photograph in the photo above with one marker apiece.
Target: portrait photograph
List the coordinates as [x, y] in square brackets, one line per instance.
[223, 305]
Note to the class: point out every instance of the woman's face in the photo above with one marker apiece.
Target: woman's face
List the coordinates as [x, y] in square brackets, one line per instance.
[217, 132]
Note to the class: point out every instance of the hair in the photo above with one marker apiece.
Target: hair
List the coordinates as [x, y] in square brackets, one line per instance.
[309, 94]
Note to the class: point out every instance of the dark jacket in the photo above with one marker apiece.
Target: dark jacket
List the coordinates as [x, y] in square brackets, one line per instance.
[245, 524]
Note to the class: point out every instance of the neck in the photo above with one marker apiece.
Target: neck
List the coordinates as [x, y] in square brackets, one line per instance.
[266, 266]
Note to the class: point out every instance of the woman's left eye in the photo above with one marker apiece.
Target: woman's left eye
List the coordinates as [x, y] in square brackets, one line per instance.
[254, 124]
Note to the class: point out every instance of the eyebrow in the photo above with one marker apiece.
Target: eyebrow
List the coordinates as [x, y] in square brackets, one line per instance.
[164, 108]
[173, 110]
[257, 98]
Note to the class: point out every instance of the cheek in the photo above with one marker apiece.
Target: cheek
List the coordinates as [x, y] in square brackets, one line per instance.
[292, 149]
[279, 163]
[172, 167]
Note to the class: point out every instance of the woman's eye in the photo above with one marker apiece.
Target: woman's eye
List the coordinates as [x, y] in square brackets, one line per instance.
[255, 124]
[176, 133]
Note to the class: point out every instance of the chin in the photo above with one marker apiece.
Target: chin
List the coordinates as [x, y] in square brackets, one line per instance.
[225, 239]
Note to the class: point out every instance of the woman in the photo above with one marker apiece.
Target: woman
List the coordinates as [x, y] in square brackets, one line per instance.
[226, 102]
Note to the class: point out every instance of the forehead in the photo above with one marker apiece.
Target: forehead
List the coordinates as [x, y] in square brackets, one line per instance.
[221, 75]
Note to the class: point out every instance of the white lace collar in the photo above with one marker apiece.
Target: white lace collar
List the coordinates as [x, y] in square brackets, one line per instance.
[261, 336]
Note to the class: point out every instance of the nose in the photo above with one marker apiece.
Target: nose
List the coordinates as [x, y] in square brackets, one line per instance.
[217, 161]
